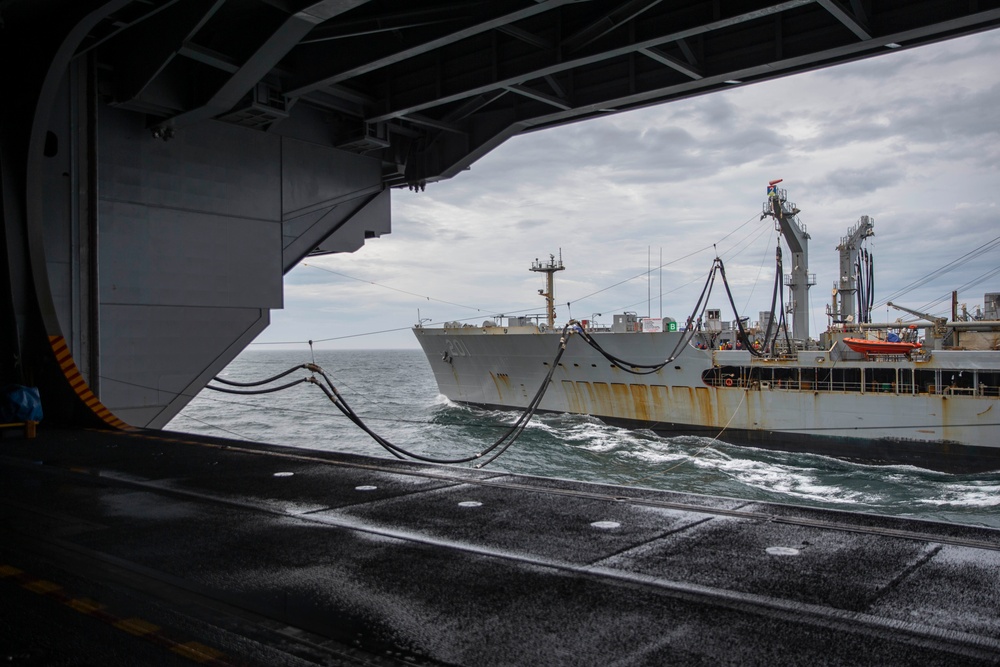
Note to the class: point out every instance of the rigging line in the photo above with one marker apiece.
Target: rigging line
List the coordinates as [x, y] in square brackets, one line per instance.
[760, 269]
[678, 288]
[326, 340]
[380, 331]
[638, 303]
[972, 254]
[640, 275]
[749, 220]
[745, 242]
[981, 278]
[665, 264]
[742, 245]
[972, 283]
[396, 289]
[224, 430]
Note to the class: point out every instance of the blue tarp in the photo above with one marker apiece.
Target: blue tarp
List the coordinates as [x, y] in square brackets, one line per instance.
[20, 404]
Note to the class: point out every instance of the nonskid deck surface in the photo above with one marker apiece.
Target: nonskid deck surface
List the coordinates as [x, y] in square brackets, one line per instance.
[270, 555]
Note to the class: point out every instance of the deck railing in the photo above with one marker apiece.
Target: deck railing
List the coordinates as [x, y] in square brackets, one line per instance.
[735, 382]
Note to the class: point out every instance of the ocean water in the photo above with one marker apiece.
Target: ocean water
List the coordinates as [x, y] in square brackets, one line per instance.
[394, 393]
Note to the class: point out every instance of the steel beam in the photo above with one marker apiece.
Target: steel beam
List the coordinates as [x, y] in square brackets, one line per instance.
[267, 56]
[853, 23]
[427, 47]
[584, 61]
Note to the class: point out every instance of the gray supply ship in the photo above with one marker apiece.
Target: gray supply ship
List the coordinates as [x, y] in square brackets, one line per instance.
[925, 393]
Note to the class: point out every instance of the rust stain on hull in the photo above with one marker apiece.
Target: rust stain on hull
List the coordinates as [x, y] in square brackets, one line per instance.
[602, 399]
[640, 401]
[502, 382]
[574, 398]
[622, 400]
[634, 401]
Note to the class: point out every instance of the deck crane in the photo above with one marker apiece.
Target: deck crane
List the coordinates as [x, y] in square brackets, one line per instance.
[799, 280]
[939, 324]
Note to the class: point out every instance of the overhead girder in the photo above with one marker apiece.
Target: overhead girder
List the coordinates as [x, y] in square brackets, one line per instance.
[278, 44]
[853, 20]
[392, 79]
[496, 15]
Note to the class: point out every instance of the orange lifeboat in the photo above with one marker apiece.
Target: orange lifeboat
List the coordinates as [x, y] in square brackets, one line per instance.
[870, 347]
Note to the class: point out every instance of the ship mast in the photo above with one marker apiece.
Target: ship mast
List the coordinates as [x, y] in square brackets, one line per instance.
[799, 280]
[549, 293]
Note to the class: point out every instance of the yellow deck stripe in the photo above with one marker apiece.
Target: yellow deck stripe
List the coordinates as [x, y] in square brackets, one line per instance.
[194, 651]
[197, 652]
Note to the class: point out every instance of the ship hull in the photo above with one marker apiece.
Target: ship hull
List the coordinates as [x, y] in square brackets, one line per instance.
[899, 413]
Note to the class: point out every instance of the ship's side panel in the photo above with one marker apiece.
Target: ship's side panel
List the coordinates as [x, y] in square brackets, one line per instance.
[194, 237]
[467, 364]
[878, 424]
[191, 257]
[139, 384]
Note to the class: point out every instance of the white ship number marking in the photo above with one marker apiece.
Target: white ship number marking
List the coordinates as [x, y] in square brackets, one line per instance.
[456, 348]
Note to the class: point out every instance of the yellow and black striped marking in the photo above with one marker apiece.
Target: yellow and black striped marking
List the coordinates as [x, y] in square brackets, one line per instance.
[194, 651]
[79, 385]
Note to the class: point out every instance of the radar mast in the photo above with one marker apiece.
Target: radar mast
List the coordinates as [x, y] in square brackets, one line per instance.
[549, 268]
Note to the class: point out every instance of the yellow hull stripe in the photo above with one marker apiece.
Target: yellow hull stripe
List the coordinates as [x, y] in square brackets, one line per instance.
[65, 359]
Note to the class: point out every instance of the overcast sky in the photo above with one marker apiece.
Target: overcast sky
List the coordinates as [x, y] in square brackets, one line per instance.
[911, 138]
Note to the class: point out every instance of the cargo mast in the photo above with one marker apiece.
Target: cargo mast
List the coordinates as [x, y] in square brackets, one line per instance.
[549, 293]
[799, 280]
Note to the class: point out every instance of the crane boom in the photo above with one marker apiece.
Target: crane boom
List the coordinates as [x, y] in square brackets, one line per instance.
[938, 321]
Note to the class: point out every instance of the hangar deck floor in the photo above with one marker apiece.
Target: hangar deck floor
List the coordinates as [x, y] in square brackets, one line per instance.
[166, 548]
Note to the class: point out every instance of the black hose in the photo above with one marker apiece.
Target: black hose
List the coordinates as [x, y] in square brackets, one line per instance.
[772, 321]
[260, 382]
[741, 334]
[871, 287]
[503, 442]
[689, 331]
[784, 323]
[270, 390]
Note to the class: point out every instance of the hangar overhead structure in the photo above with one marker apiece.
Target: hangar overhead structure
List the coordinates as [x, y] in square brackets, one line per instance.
[165, 162]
